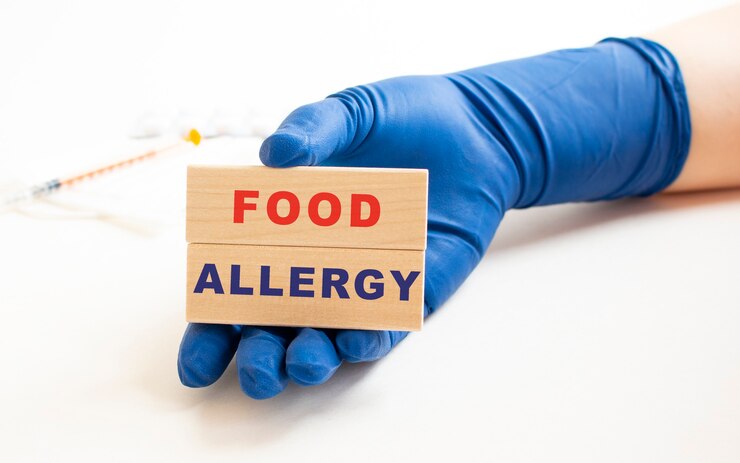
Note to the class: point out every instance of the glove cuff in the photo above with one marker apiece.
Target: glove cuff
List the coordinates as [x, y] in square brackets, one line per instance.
[602, 122]
[668, 72]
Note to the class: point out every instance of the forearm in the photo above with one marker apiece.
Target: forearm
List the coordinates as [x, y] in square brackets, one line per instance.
[707, 49]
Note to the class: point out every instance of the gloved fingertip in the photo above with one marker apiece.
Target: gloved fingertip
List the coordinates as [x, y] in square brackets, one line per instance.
[193, 378]
[285, 148]
[205, 352]
[260, 362]
[311, 358]
[305, 374]
[363, 346]
[261, 383]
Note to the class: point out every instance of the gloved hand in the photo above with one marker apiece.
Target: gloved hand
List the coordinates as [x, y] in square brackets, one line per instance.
[574, 125]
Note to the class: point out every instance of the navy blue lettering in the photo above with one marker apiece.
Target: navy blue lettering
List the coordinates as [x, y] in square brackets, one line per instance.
[404, 284]
[328, 282]
[209, 270]
[296, 281]
[265, 289]
[376, 286]
[236, 288]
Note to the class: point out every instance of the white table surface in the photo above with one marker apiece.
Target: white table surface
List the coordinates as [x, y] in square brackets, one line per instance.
[593, 332]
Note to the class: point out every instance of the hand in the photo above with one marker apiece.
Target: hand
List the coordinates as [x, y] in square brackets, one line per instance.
[423, 122]
[491, 139]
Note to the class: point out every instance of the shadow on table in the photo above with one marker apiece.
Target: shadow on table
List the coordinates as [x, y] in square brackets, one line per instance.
[231, 418]
[225, 416]
[544, 223]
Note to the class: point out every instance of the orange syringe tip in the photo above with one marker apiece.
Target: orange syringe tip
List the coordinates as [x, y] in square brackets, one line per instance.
[193, 137]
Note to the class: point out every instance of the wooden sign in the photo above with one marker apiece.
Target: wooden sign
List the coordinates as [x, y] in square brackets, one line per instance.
[306, 246]
[373, 289]
[308, 206]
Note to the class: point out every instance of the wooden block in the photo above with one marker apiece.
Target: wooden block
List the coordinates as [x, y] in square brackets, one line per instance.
[299, 286]
[308, 206]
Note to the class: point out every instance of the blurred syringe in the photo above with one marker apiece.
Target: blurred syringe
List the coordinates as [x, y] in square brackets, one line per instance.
[47, 188]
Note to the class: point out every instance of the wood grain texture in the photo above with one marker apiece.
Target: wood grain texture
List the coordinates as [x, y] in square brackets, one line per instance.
[322, 309]
[401, 194]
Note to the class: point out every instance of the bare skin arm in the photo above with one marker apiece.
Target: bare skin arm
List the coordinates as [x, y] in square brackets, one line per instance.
[707, 48]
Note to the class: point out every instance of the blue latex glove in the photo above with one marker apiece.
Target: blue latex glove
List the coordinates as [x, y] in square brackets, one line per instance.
[574, 125]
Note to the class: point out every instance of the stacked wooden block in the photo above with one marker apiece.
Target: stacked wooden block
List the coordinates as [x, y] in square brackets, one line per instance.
[306, 246]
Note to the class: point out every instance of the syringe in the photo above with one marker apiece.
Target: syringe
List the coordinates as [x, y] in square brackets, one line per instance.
[48, 187]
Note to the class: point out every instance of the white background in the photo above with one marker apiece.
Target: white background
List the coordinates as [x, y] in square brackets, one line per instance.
[593, 332]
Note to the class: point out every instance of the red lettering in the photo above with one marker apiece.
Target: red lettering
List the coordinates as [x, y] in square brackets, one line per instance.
[357, 202]
[356, 219]
[240, 206]
[335, 209]
[294, 207]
